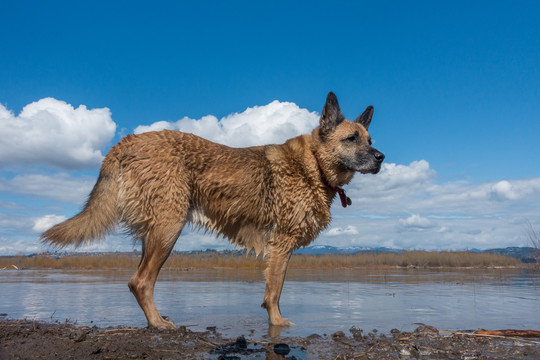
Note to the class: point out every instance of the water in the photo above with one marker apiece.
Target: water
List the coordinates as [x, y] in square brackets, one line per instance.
[316, 301]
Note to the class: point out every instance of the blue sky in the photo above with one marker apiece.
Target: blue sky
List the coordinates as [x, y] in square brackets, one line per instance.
[454, 85]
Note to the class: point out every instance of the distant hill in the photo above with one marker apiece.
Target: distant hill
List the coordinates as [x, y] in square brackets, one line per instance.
[327, 249]
[525, 254]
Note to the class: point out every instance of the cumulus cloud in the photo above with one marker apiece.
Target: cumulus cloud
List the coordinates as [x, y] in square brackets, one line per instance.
[506, 190]
[415, 221]
[414, 189]
[393, 186]
[337, 231]
[46, 222]
[406, 206]
[258, 125]
[52, 132]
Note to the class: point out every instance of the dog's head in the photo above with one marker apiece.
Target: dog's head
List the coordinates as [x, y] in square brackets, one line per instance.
[343, 146]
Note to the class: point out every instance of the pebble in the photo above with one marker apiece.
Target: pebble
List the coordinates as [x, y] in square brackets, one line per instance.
[282, 349]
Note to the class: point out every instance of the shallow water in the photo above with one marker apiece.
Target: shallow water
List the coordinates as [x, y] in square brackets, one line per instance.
[317, 301]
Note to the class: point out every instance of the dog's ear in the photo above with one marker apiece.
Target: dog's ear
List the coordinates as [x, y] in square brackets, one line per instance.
[331, 115]
[365, 118]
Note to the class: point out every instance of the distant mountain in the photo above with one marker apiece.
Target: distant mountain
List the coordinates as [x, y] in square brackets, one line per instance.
[525, 254]
[327, 249]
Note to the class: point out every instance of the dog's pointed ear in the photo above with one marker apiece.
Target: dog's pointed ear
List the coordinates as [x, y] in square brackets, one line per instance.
[331, 115]
[365, 118]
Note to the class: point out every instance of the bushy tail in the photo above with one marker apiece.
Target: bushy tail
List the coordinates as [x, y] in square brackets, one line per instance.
[99, 216]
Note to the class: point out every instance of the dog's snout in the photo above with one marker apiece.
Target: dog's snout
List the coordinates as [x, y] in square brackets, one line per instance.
[378, 155]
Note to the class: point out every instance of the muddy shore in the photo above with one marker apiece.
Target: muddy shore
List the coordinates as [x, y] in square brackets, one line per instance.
[21, 339]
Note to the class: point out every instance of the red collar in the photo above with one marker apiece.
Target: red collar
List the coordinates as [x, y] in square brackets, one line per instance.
[344, 199]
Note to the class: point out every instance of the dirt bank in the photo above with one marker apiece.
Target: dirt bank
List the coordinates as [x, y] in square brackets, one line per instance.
[35, 340]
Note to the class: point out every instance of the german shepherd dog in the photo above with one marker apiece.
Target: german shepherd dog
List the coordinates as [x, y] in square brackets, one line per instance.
[271, 199]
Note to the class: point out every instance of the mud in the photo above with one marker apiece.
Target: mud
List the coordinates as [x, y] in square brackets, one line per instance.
[20, 339]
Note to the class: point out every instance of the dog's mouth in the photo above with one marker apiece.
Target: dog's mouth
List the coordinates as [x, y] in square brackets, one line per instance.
[374, 170]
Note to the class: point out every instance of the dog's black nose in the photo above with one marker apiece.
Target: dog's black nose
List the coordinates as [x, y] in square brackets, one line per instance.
[379, 156]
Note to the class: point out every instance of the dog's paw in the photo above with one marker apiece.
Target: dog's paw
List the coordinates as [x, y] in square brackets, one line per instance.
[164, 324]
[282, 322]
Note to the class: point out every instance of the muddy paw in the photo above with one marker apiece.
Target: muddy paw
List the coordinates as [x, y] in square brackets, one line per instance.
[164, 324]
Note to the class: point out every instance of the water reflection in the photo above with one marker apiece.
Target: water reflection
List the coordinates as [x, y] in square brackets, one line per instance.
[316, 301]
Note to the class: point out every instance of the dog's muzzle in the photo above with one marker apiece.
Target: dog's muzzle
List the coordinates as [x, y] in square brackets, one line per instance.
[376, 162]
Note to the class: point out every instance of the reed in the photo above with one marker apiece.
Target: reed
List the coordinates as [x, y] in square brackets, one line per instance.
[443, 259]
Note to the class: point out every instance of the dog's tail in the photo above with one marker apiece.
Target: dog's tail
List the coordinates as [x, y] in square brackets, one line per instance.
[99, 216]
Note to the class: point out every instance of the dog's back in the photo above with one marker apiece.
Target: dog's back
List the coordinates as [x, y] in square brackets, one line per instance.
[240, 193]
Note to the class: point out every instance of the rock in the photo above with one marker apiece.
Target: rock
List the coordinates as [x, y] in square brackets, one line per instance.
[282, 349]
[241, 343]
[426, 331]
[356, 332]
[81, 337]
[338, 335]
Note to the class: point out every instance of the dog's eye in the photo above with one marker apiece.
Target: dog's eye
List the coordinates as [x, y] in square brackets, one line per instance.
[352, 138]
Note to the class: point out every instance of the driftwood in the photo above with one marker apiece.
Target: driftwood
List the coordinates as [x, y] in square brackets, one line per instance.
[497, 333]
[510, 332]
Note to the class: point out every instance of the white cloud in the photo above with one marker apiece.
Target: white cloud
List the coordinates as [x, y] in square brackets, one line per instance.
[451, 215]
[415, 174]
[46, 222]
[60, 187]
[11, 247]
[52, 132]
[416, 221]
[391, 188]
[258, 125]
[337, 231]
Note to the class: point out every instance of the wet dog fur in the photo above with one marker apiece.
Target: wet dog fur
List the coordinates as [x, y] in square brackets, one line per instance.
[271, 199]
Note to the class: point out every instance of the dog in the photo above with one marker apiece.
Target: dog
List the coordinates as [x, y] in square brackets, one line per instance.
[272, 199]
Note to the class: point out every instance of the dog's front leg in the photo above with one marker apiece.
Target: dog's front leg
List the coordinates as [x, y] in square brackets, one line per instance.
[278, 257]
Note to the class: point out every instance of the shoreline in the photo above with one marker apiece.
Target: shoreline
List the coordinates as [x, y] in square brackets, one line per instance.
[38, 340]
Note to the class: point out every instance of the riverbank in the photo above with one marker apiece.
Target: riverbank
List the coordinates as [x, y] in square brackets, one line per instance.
[38, 340]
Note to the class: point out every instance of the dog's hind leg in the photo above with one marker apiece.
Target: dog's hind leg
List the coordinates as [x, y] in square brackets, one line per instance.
[157, 246]
[276, 268]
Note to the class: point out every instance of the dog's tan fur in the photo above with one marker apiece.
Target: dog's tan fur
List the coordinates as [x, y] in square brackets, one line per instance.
[271, 199]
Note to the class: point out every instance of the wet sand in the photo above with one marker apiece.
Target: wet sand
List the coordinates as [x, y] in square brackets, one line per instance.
[21, 339]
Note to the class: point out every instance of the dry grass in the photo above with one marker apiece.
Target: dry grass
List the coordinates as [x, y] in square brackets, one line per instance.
[404, 259]
[534, 239]
[218, 260]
